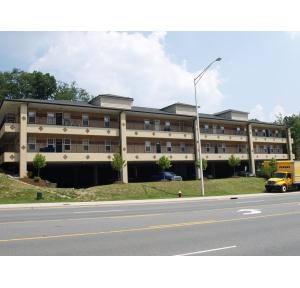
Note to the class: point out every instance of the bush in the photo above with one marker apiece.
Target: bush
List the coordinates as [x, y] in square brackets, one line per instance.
[36, 179]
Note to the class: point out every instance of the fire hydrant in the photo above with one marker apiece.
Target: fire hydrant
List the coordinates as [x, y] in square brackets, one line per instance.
[179, 194]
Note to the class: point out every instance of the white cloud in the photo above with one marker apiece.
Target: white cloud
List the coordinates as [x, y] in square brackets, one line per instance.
[128, 64]
[277, 110]
[257, 113]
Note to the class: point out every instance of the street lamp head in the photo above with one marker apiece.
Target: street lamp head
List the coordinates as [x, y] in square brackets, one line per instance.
[219, 59]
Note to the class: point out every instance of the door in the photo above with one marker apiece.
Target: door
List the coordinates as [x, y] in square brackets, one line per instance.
[59, 118]
[158, 148]
[157, 125]
[58, 145]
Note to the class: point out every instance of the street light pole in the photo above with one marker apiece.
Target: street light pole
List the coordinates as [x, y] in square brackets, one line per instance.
[198, 137]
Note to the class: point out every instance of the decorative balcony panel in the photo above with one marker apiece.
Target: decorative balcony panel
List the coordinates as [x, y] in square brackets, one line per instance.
[159, 134]
[153, 157]
[269, 140]
[70, 130]
[266, 156]
[73, 157]
[223, 156]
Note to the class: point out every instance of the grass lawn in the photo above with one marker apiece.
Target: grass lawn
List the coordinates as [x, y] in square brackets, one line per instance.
[15, 191]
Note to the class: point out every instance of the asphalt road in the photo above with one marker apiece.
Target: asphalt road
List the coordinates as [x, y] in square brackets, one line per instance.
[266, 224]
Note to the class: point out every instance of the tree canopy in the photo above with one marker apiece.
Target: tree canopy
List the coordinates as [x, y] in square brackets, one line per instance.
[293, 122]
[18, 84]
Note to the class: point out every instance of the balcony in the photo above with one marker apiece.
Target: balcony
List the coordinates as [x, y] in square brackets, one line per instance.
[223, 135]
[73, 148]
[137, 130]
[137, 152]
[73, 127]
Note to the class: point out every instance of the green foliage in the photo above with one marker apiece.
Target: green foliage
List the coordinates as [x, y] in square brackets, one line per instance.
[273, 165]
[19, 84]
[39, 162]
[164, 163]
[118, 163]
[234, 162]
[293, 122]
[204, 164]
[71, 92]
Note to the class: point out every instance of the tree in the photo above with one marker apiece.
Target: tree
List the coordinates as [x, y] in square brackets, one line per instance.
[234, 162]
[164, 163]
[118, 164]
[293, 122]
[204, 164]
[39, 162]
[71, 92]
[18, 84]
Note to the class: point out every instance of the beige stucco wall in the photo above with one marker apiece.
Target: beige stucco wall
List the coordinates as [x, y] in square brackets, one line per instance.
[123, 146]
[23, 141]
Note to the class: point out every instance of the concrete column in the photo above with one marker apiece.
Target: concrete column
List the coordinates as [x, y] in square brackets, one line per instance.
[251, 150]
[289, 144]
[197, 147]
[23, 141]
[124, 173]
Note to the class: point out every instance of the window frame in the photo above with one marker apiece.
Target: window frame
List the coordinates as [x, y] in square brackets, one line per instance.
[31, 141]
[30, 117]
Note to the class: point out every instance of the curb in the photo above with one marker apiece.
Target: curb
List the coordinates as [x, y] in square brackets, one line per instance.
[146, 201]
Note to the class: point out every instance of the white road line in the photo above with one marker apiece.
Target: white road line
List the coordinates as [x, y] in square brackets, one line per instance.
[253, 201]
[97, 211]
[206, 251]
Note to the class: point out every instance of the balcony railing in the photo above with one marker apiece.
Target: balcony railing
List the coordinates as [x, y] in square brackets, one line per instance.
[223, 132]
[152, 127]
[131, 148]
[74, 148]
[75, 122]
[10, 118]
[226, 150]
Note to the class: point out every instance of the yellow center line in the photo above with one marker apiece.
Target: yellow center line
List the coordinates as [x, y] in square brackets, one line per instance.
[148, 228]
[80, 219]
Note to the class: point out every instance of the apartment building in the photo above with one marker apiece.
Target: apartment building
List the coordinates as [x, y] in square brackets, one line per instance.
[79, 139]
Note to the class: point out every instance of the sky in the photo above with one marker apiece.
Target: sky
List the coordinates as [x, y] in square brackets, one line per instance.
[258, 72]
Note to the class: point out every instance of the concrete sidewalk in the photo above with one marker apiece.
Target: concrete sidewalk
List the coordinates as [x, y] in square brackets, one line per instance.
[111, 203]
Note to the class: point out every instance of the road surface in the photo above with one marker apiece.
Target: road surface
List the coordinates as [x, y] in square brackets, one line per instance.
[266, 224]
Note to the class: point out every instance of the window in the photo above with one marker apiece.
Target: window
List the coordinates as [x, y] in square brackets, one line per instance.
[67, 119]
[239, 148]
[147, 146]
[67, 145]
[206, 127]
[50, 118]
[222, 130]
[146, 124]
[238, 130]
[157, 125]
[264, 133]
[85, 120]
[31, 144]
[31, 117]
[51, 144]
[255, 132]
[207, 147]
[107, 145]
[167, 126]
[182, 148]
[169, 146]
[85, 145]
[106, 121]
[222, 147]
